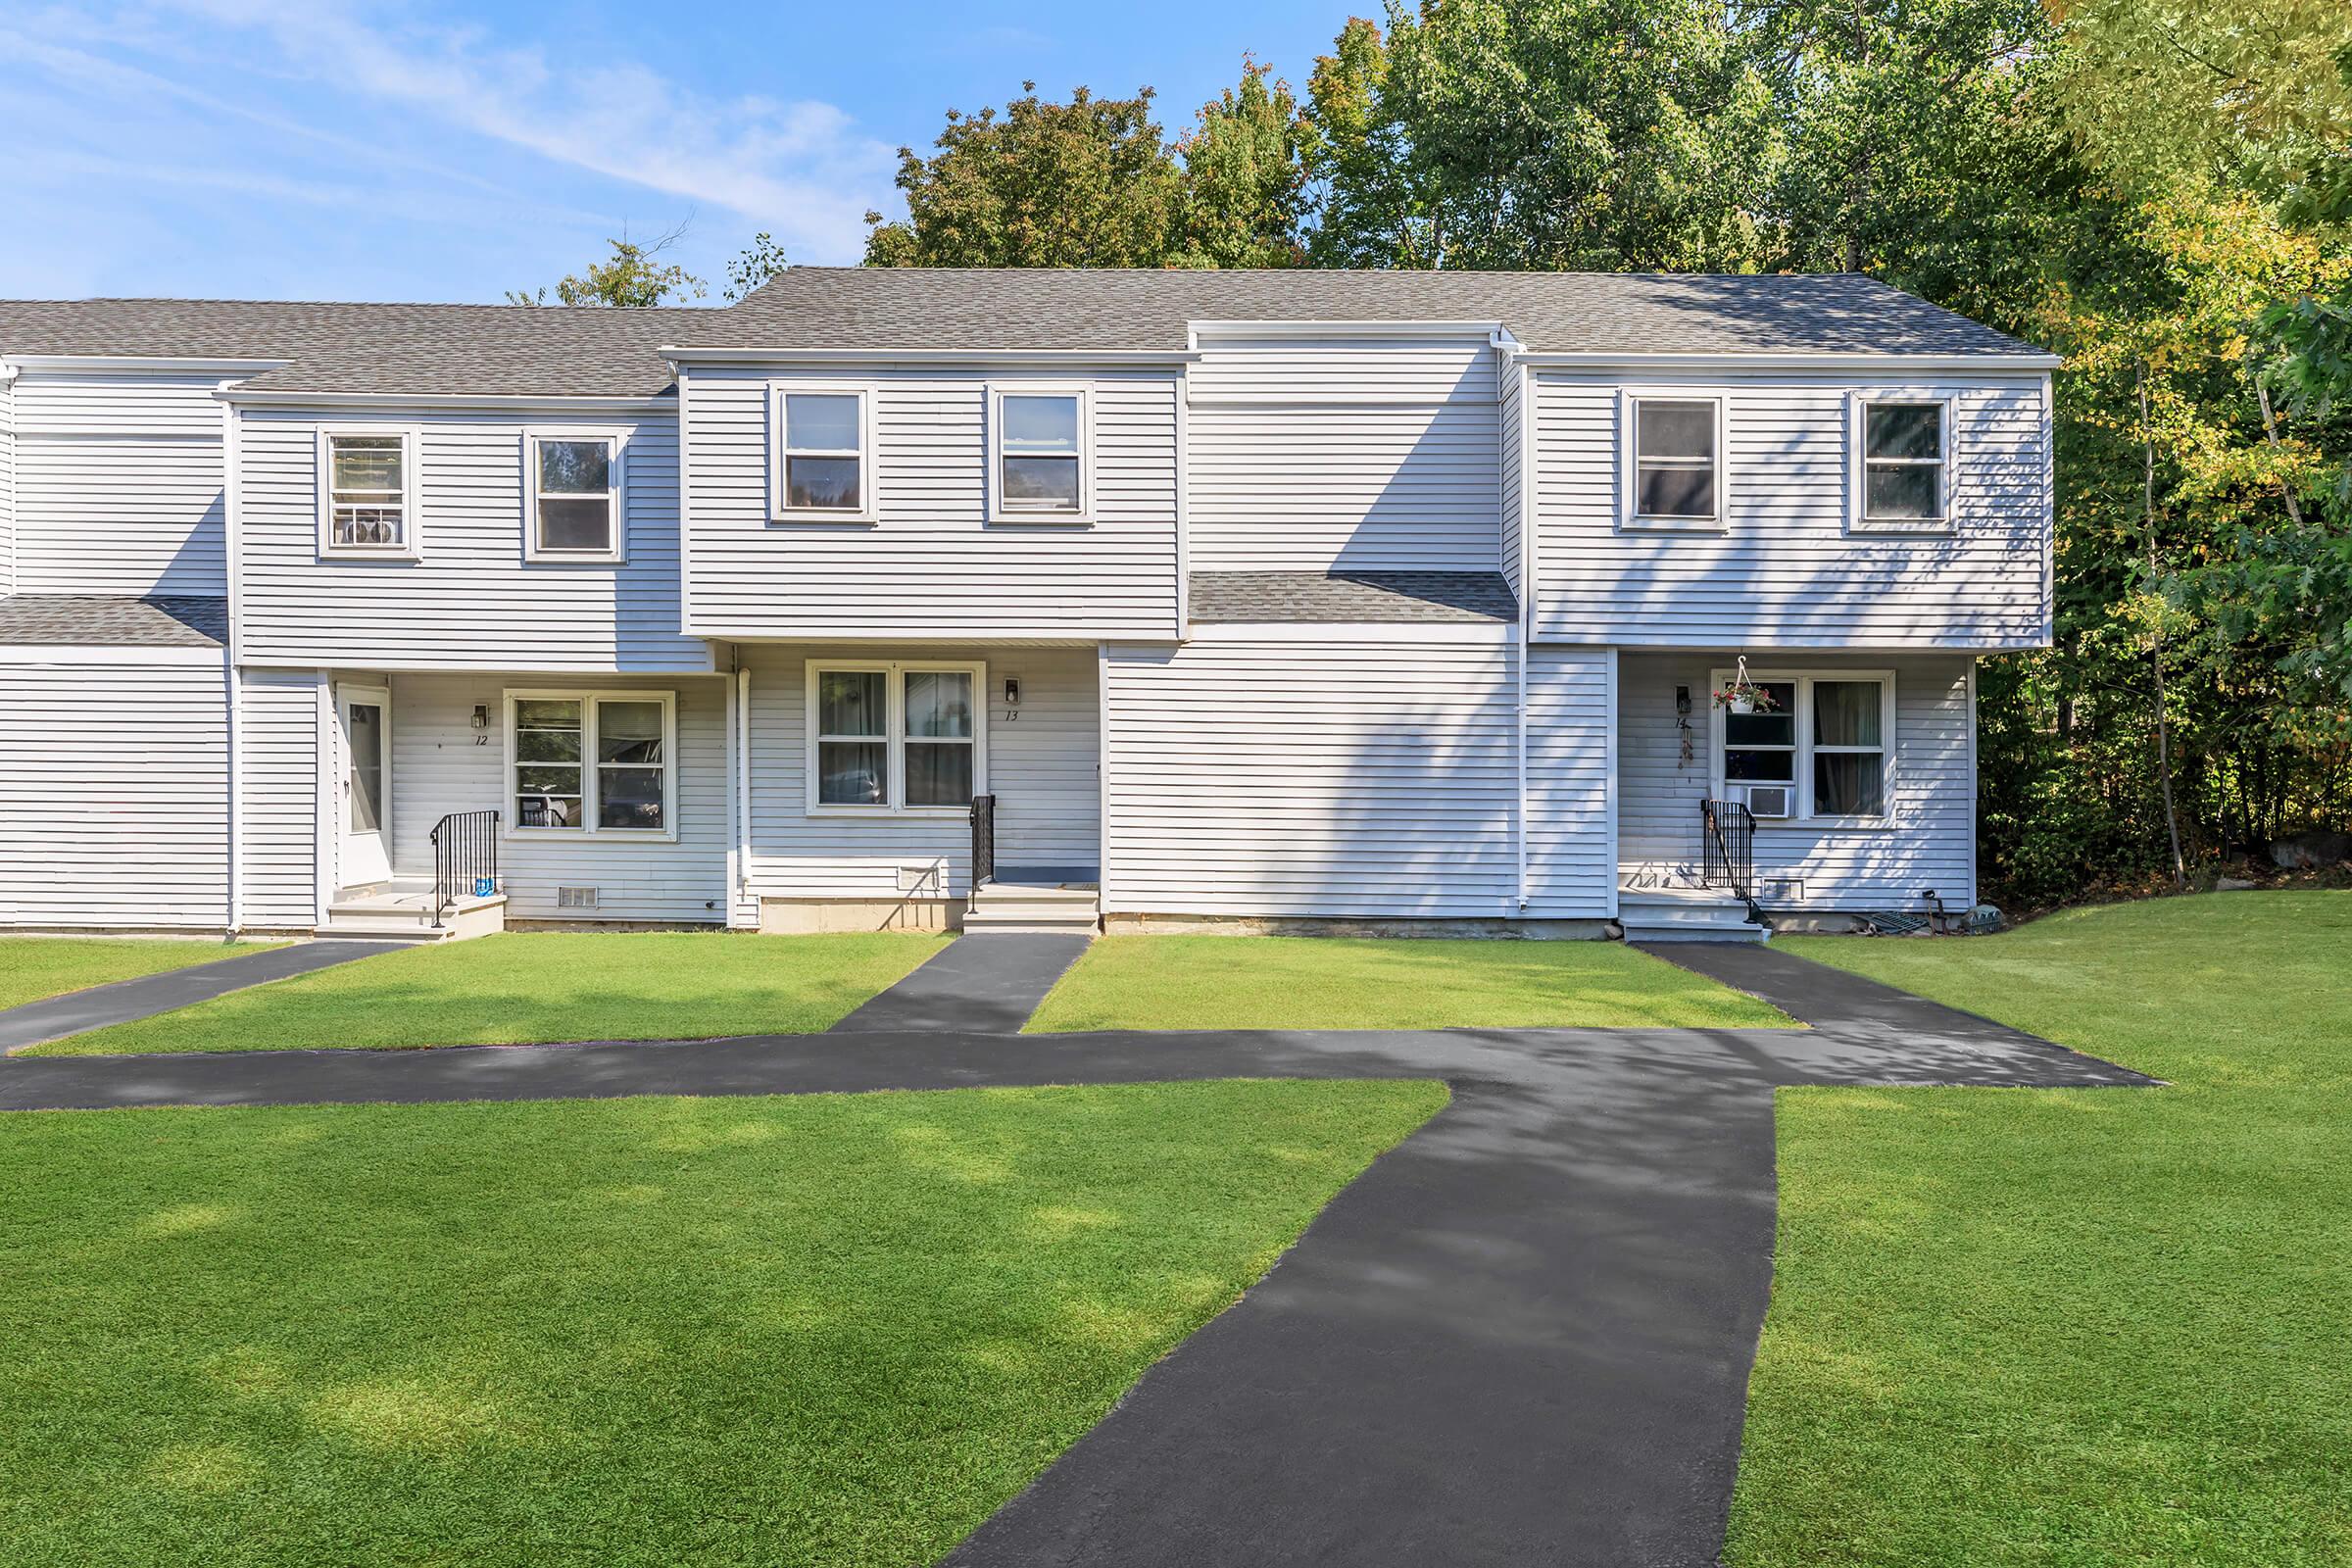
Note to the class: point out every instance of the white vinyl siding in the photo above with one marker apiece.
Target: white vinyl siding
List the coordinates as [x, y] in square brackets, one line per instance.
[113, 807]
[470, 598]
[1351, 453]
[1924, 842]
[930, 566]
[1361, 774]
[441, 764]
[1570, 872]
[283, 721]
[117, 484]
[1041, 768]
[1786, 571]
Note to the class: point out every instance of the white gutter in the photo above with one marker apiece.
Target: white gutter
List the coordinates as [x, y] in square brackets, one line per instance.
[139, 362]
[290, 398]
[1776, 361]
[889, 356]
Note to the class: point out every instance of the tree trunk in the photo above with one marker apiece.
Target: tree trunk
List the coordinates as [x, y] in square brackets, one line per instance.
[2164, 754]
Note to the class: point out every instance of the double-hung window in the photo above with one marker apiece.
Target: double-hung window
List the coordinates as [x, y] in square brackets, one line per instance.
[1041, 438]
[1902, 479]
[592, 762]
[823, 439]
[367, 492]
[894, 737]
[1674, 462]
[573, 508]
[1823, 738]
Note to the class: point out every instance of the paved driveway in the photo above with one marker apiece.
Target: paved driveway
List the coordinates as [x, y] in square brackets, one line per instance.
[1522, 1336]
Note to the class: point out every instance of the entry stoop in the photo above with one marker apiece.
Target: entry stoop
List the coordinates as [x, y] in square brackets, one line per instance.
[1069, 909]
[1694, 914]
[401, 909]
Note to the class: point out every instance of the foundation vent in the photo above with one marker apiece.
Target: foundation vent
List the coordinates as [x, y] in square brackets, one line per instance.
[920, 878]
[575, 898]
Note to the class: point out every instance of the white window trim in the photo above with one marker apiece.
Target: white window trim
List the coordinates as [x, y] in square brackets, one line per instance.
[590, 792]
[412, 519]
[998, 511]
[1802, 784]
[895, 702]
[778, 449]
[533, 550]
[1629, 519]
[1857, 461]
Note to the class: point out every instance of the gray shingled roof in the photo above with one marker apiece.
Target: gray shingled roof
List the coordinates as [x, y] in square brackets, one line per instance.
[927, 307]
[505, 350]
[1352, 595]
[79, 621]
[493, 350]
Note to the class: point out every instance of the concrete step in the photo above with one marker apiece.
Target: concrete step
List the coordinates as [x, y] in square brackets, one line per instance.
[1685, 915]
[363, 928]
[985, 927]
[1034, 909]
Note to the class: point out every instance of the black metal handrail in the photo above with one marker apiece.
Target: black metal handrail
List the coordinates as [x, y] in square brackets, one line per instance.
[984, 840]
[1728, 849]
[464, 858]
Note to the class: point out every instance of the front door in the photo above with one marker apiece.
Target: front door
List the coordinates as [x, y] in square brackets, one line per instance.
[367, 783]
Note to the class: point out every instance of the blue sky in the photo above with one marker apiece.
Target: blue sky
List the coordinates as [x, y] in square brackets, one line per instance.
[340, 149]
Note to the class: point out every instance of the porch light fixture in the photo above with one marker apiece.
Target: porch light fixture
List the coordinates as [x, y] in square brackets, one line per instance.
[481, 715]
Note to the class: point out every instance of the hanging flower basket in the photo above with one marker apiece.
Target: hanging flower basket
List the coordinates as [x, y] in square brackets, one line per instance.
[1744, 697]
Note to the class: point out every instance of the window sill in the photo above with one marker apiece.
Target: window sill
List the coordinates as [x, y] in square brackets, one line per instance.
[331, 553]
[574, 558]
[606, 835]
[838, 519]
[1713, 525]
[1902, 526]
[1816, 824]
[1039, 520]
[882, 813]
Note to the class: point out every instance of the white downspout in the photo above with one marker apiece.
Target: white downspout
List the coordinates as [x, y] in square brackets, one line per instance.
[231, 508]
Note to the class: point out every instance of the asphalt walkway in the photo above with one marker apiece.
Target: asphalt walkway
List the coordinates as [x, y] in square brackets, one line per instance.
[1522, 1336]
[985, 984]
[125, 1000]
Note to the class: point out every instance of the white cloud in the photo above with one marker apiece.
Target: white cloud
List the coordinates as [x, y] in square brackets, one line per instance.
[799, 170]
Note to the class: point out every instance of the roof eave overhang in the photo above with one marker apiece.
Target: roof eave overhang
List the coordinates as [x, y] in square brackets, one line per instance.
[1874, 361]
[133, 364]
[697, 355]
[584, 403]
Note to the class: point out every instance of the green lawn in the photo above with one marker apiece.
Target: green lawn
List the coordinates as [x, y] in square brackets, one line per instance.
[34, 968]
[823, 1329]
[1213, 981]
[2082, 1327]
[541, 986]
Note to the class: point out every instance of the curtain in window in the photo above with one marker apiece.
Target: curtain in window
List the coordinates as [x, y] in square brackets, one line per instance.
[852, 751]
[938, 737]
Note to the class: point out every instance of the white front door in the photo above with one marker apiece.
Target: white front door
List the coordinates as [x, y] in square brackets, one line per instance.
[367, 808]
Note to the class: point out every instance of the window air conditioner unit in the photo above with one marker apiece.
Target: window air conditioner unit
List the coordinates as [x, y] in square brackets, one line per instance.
[1768, 799]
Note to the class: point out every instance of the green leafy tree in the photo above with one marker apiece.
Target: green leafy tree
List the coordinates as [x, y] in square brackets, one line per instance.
[1244, 180]
[1582, 134]
[1363, 202]
[1086, 183]
[761, 260]
[632, 278]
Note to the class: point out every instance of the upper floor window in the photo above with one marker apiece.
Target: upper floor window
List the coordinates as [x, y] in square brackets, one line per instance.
[1675, 462]
[894, 737]
[574, 507]
[823, 440]
[1040, 440]
[1903, 478]
[367, 492]
[591, 763]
